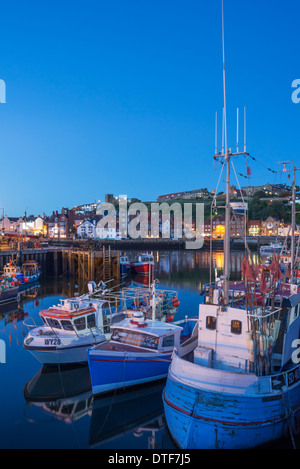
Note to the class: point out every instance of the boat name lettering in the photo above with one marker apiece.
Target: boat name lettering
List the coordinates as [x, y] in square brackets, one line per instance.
[293, 376]
[52, 341]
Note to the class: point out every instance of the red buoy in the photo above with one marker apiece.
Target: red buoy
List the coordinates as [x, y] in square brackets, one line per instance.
[175, 302]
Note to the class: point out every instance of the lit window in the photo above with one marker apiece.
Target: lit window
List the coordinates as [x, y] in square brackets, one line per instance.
[236, 327]
[211, 323]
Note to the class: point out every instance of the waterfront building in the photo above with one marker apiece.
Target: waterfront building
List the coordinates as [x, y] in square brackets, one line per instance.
[254, 227]
[33, 226]
[269, 227]
[11, 225]
[87, 229]
[59, 225]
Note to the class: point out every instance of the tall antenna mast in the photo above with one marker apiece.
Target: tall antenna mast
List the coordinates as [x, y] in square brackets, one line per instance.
[237, 130]
[245, 129]
[226, 154]
[285, 170]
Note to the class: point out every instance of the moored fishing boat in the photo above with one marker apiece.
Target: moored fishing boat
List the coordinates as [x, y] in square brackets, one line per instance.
[138, 352]
[68, 329]
[237, 384]
[144, 264]
[270, 248]
[125, 264]
[30, 270]
[78, 323]
[22, 276]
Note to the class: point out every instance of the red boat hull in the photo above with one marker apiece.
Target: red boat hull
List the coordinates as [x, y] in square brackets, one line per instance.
[143, 268]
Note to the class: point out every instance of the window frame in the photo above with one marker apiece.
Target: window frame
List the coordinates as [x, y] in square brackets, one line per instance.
[233, 329]
[214, 323]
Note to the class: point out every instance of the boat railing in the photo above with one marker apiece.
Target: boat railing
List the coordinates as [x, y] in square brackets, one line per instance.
[27, 324]
[261, 313]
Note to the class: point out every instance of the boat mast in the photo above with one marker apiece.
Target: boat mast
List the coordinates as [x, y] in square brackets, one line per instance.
[227, 159]
[293, 213]
[293, 221]
[226, 155]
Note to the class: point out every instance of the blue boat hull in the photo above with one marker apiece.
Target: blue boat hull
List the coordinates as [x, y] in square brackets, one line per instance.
[200, 419]
[109, 372]
[30, 279]
[125, 269]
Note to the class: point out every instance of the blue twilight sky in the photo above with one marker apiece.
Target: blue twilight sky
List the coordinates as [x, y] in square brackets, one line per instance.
[120, 96]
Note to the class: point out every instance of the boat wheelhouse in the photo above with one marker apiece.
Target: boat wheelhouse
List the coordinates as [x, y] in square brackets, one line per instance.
[125, 264]
[244, 363]
[144, 264]
[31, 270]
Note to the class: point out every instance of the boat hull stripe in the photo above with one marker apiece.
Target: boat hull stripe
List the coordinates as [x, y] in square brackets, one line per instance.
[222, 422]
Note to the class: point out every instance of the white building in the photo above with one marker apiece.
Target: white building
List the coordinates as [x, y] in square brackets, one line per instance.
[284, 230]
[11, 225]
[87, 229]
[33, 226]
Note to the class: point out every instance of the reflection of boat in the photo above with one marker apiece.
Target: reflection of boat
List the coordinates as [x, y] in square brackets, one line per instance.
[125, 413]
[64, 391]
[9, 292]
[143, 279]
[144, 264]
[30, 291]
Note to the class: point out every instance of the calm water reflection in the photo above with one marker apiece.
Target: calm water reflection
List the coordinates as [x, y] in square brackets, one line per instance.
[52, 407]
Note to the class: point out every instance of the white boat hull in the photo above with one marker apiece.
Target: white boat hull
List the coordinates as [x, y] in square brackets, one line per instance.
[61, 356]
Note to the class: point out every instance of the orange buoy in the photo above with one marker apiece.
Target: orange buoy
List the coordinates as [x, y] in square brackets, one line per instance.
[175, 302]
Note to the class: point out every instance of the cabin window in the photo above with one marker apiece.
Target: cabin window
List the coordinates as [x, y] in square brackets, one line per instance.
[91, 320]
[168, 341]
[53, 323]
[236, 327]
[44, 320]
[67, 325]
[79, 323]
[211, 323]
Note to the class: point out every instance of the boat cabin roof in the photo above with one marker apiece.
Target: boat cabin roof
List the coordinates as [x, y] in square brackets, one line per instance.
[145, 257]
[11, 268]
[155, 328]
[70, 308]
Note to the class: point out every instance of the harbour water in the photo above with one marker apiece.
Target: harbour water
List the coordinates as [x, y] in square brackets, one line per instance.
[54, 408]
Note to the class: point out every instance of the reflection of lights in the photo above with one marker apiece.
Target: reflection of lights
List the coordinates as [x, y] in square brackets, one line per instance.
[219, 231]
[219, 260]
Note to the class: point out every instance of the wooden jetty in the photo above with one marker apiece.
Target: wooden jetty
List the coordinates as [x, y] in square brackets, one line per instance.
[58, 261]
[92, 265]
